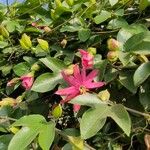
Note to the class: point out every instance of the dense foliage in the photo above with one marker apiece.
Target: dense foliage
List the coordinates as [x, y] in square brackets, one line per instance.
[74, 74]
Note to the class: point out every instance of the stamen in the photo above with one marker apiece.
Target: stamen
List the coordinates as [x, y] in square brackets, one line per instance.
[83, 89]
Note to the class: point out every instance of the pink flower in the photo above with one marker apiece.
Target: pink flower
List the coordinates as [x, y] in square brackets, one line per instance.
[79, 83]
[27, 81]
[76, 107]
[87, 59]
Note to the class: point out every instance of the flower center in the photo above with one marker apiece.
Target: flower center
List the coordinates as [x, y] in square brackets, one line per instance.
[83, 89]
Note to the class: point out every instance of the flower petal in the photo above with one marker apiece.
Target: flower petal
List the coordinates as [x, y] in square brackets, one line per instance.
[66, 91]
[76, 107]
[91, 75]
[92, 85]
[69, 97]
[76, 73]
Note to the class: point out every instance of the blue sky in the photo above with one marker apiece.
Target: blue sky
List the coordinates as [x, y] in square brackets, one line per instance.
[10, 1]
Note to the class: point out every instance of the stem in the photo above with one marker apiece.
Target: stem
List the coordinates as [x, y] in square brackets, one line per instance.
[137, 112]
[132, 110]
[67, 139]
[7, 118]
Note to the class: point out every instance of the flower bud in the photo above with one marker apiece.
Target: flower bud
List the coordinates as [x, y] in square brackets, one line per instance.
[58, 3]
[27, 80]
[57, 111]
[25, 42]
[112, 56]
[113, 45]
[1, 38]
[92, 50]
[63, 43]
[8, 102]
[35, 67]
[13, 82]
[43, 44]
[104, 95]
[87, 59]
[69, 70]
[47, 29]
[4, 32]
[34, 24]
[14, 130]
[70, 2]
[76, 107]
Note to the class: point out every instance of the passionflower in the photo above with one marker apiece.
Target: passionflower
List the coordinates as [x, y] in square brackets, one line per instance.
[27, 81]
[87, 59]
[79, 83]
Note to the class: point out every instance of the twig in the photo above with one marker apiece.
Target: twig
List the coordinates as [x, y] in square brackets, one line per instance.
[137, 112]
[7, 118]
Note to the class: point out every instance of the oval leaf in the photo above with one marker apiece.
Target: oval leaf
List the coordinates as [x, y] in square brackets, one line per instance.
[119, 114]
[23, 138]
[141, 74]
[102, 17]
[86, 99]
[138, 44]
[54, 64]
[46, 82]
[21, 69]
[93, 120]
[46, 135]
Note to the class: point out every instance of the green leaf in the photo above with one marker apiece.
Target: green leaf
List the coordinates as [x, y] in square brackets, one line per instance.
[46, 135]
[31, 120]
[3, 44]
[54, 64]
[86, 99]
[117, 23]
[144, 95]
[126, 79]
[84, 34]
[113, 2]
[119, 114]
[4, 141]
[141, 74]
[125, 33]
[21, 69]
[104, 15]
[101, 65]
[143, 4]
[93, 120]
[110, 75]
[23, 138]
[46, 82]
[138, 44]
[32, 126]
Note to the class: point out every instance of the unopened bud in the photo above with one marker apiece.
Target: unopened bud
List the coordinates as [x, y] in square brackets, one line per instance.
[70, 2]
[112, 56]
[35, 67]
[104, 95]
[13, 82]
[8, 102]
[1, 38]
[58, 3]
[25, 42]
[43, 44]
[57, 111]
[113, 45]
[4, 32]
[14, 130]
[92, 50]
[69, 70]
[47, 29]
[64, 43]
